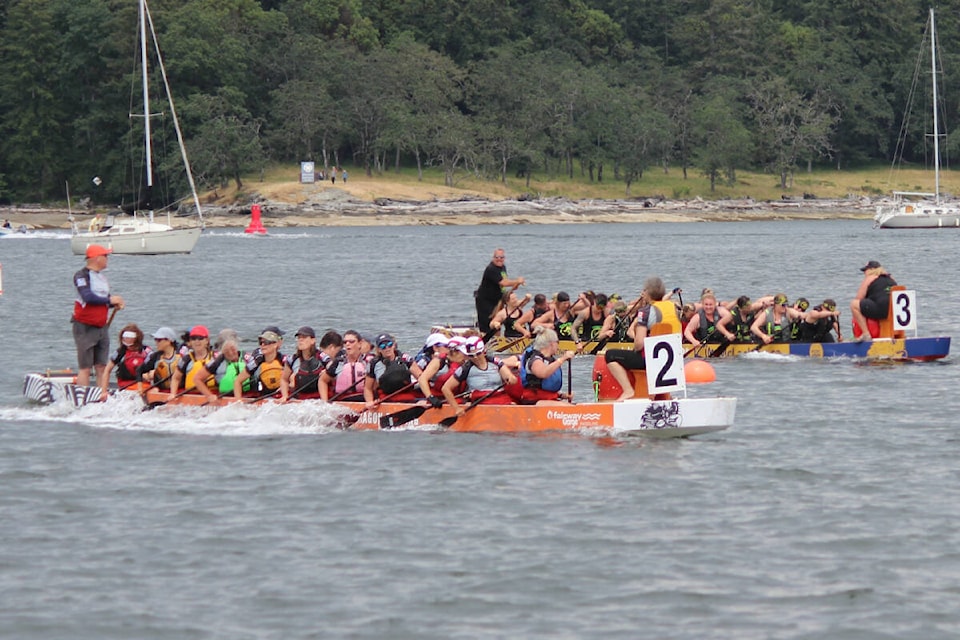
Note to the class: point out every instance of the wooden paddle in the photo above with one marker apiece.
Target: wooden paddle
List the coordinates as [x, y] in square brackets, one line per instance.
[353, 417]
[160, 403]
[716, 353]
[143, 394]
[446, 423]
[404, 416]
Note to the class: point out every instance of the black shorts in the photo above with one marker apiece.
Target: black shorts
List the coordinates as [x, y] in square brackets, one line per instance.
[870, 309]
[627, 358]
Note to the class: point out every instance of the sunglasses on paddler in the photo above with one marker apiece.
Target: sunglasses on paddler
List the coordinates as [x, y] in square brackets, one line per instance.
[262, 341]
[386, 344]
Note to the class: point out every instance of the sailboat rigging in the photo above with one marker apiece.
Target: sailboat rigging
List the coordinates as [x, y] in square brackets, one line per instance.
[913, 210]
[139, 233]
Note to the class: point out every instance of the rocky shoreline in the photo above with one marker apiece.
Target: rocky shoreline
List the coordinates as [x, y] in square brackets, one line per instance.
[333, 207]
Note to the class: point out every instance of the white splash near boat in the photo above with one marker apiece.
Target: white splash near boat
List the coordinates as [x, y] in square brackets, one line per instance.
[139, 233]
[915, 210]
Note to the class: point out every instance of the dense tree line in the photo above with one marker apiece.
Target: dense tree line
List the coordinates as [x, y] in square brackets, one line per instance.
[603, 89]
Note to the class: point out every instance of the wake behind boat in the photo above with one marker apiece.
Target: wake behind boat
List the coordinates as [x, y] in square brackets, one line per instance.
[916, 210]
[140, 233]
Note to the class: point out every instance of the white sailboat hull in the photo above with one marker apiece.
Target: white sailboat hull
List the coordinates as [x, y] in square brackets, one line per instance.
[143, 239]
[917, 215]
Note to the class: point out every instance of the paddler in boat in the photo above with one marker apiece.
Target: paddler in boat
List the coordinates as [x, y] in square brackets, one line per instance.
[480, 373]
[348, 372]
[776, 323]
[436, 366]
[540, 306]
[742, 315]
[709, 323]
[158, 368]
[873, 297]
[226, 365]
[589, 322]
[654, 309]
[541, 371]
[302, 370]
[509, 316]
[127, 359]
[616, 326]
[819, 323]
[390, 372]
[264, 366]
[455, 356]
[560, 319]
[196, 356]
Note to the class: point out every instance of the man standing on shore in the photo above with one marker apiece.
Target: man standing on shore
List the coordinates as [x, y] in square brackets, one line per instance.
[493, 285]
[91, 319]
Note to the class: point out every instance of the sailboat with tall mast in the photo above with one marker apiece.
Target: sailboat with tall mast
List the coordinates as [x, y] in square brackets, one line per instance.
[139, 232]
[915, 210]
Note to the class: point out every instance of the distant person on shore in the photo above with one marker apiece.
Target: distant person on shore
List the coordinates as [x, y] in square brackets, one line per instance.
[493, 285]
[873, 297]
[7, 225]
[333, 175]
[91, 316]
[343, 176]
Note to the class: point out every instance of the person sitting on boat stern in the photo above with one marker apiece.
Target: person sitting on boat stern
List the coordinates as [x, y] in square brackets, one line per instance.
[197, 355]
[226, 365]
[873, 297]
[159, 366]
[91, 316]
[541, 371]
[819, 322]
[127, 359]
[656, 316]
[776, 323]
[481, 373]
[264, 366]
[709, 323]
[391, 372]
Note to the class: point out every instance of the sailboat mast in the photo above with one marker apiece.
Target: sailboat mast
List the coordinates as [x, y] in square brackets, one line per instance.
[936, 124]
[146, 94]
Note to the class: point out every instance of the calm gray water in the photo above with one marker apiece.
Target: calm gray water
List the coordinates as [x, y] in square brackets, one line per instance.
[829, 510]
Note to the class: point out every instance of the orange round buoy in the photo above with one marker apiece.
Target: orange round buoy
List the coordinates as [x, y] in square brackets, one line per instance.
[699, 372]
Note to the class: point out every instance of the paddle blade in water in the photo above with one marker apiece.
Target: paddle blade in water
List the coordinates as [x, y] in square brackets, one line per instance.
[401, 417]
[446, 423]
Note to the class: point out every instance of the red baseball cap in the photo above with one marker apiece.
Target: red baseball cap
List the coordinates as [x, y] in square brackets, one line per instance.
[96, 250]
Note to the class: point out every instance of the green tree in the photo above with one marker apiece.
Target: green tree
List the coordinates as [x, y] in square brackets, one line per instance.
[721, 142]
[227, 143]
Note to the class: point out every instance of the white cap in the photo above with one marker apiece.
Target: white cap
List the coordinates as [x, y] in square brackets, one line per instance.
[435, 339]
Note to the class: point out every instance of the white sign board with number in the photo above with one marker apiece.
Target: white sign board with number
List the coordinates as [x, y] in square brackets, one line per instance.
[904, 305]
[664, 359]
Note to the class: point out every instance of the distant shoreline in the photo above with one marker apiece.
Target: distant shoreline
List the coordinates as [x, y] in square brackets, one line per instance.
[333, 207]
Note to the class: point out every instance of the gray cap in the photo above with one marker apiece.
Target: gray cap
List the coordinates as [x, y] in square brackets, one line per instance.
[165, 333]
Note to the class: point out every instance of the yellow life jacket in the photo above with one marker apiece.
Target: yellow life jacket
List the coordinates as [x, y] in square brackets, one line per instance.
[669, 317]
[164, 370]
[270, 374]
[194, 367]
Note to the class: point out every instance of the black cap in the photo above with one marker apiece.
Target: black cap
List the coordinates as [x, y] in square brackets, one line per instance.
[306, 331]
[873, 264]
[274, 329]
[563, 296]
[385, 337]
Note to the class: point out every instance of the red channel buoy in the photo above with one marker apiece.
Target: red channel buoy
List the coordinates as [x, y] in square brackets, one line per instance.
[255, 226]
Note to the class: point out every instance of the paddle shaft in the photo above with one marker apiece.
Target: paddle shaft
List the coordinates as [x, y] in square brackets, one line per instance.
[448, 422]
[350, 419]
[603, 343]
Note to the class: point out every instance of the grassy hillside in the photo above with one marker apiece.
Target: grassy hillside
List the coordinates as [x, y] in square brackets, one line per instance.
[281, 183]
